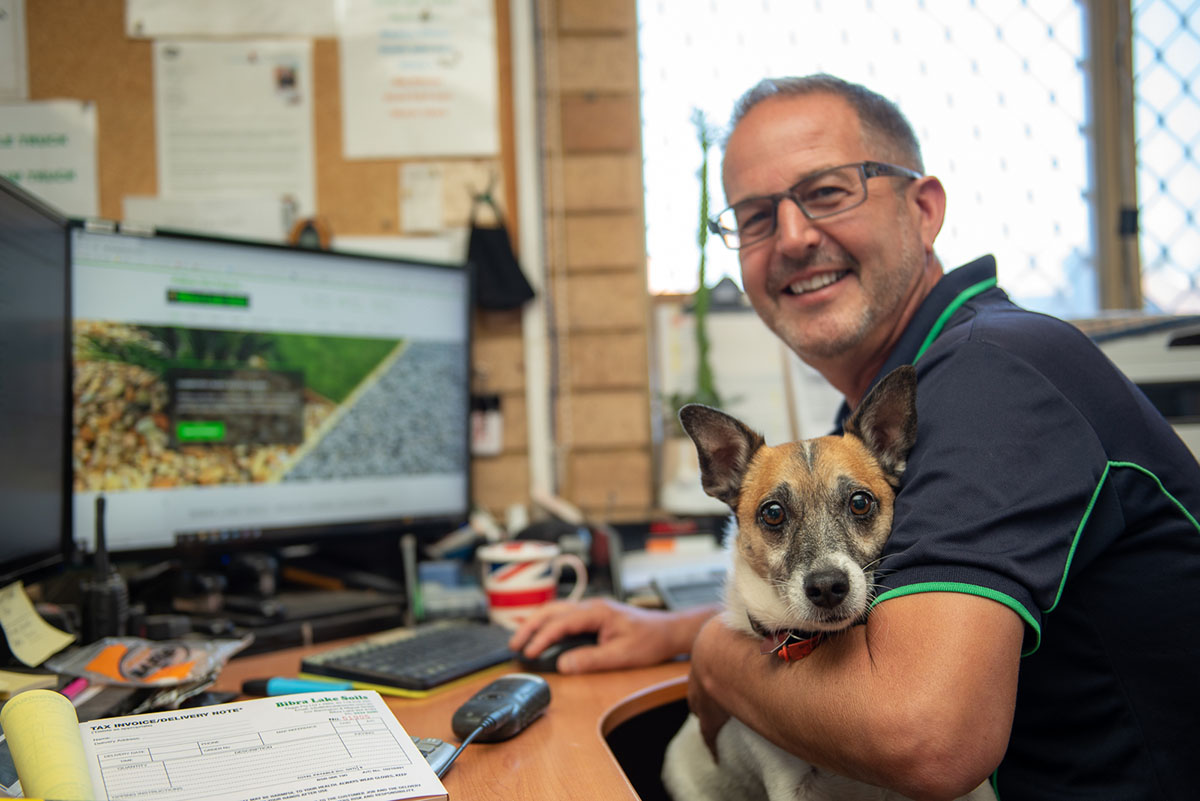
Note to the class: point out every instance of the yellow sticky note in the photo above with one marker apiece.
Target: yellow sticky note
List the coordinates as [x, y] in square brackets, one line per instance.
[43, 735]
[30, 638]
[13, 682]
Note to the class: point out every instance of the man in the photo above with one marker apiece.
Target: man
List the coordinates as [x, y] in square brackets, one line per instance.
[1037, 619]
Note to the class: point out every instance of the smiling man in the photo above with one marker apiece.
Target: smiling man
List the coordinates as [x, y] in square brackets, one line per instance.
[1036, 617]
[835, 264]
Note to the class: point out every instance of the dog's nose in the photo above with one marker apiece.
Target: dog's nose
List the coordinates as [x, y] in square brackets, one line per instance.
[826, 588]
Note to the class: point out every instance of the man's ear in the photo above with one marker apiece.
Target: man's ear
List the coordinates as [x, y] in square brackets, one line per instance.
[930, 198]
[725, 446]
[886, 421]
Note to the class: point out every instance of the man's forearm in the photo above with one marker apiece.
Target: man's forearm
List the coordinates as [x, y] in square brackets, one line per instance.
[920, 699]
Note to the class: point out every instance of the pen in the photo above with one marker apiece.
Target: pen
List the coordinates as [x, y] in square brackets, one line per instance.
[74, 688]
[284, 686]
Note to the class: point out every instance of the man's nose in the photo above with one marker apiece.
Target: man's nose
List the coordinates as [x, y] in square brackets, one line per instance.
[793, 230]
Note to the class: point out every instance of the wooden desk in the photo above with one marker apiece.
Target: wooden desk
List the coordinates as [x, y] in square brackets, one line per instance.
[563, 754]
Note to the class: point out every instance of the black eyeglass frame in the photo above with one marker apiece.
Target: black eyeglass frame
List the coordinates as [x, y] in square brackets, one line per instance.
[866, 169]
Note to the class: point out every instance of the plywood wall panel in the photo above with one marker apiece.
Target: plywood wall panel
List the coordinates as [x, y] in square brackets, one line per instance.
[598, 64]
[605, 241]
[606, 301]
[497, 482]
[608, 360]
[606, 420]
[498, 364]
[600, 123]
[606, 482]
[597, 15]
[601, 183]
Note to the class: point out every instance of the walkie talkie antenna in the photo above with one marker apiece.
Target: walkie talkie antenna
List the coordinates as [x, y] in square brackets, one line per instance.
[105, 596]
[101, 544]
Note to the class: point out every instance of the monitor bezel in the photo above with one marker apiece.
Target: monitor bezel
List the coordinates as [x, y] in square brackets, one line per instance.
[38, 565]
[356, 534]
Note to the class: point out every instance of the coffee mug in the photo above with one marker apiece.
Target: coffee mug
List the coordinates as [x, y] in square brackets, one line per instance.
[521, 575]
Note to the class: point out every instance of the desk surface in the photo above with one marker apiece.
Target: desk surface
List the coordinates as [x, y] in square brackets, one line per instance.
[561, 755]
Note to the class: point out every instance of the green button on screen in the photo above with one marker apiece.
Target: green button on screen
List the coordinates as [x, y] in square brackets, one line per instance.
[200, 431]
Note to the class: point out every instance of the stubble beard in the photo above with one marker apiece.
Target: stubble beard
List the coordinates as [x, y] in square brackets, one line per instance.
[832, 333]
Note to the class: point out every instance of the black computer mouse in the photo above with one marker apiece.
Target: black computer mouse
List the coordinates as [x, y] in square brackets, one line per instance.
[546, 661]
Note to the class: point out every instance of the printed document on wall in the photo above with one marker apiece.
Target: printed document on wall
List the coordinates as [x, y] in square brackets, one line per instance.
[418, 78]
[14, 78]
[156, 19]
[235, 118]
[49, 148]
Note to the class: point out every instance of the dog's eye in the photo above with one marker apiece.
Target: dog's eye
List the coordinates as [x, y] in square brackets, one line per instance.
[861, 503]
[772, 514]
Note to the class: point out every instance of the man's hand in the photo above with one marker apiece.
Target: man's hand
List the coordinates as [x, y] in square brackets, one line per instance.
[628, 636]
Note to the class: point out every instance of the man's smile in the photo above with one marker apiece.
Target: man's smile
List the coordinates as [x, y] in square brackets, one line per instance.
[814, 282]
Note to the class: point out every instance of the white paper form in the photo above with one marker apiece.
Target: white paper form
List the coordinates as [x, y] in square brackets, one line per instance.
[156, 19]
[235, 118]
[418, 78]
[49, 147]
[14, 69]
[333, 746]
[243, 217]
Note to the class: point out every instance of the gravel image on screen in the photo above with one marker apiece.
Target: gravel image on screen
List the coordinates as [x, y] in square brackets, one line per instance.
[366, 407]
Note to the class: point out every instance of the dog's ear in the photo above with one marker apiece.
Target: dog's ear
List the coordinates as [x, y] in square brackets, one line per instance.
[725, 446]
[886, 420]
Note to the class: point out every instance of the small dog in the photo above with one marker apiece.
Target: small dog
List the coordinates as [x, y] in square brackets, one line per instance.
[811, 521]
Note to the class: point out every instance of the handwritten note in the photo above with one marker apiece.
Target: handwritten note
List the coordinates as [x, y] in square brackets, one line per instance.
[30, 638]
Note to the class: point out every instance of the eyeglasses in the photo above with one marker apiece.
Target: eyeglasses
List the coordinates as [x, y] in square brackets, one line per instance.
[819, 195]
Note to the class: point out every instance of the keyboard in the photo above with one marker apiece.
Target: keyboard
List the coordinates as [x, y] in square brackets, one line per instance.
[416, 659]
[688, 590]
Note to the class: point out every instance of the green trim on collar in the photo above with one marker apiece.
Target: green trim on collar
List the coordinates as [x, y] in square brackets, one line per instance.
[954, 306]
[969, 589]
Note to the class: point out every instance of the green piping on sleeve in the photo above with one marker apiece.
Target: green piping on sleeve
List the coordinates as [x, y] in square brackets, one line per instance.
[1091, 505]
[1087, 515]
[954, 306]
[1010, 602]
[969, 589]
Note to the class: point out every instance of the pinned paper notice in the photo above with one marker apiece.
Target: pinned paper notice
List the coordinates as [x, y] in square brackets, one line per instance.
[30, 638]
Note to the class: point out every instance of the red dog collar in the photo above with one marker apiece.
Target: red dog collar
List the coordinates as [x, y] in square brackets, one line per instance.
[791, 646]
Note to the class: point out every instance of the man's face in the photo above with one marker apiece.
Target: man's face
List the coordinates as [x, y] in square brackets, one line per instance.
[837, 287]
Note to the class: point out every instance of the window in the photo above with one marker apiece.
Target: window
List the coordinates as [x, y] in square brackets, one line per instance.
[995, 91]
[1166, 66]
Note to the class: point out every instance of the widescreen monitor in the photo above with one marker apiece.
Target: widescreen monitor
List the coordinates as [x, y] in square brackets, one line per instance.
[230, 393]
[34, 493]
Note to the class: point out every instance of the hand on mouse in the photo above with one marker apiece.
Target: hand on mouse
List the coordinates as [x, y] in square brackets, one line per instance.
[628, 636]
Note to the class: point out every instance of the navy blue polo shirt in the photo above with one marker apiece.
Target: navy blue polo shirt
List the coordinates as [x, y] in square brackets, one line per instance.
[1043, 479]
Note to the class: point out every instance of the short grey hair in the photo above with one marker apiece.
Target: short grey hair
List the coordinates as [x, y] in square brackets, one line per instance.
[880, 118]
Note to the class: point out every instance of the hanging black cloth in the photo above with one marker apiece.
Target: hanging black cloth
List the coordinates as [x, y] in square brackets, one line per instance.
[499, 281]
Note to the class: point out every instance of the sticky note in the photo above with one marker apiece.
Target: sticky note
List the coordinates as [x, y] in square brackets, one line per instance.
[30, 638]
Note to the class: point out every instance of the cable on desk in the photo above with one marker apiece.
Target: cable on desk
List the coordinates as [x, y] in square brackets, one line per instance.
[491, 721]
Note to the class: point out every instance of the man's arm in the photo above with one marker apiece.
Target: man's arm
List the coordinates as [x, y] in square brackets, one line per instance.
[920, 699]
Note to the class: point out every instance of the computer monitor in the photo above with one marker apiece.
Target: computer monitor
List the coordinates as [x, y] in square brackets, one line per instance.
[231, 393]
[34, 357]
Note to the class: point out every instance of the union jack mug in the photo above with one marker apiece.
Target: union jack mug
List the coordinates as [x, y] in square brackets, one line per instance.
[521, 575]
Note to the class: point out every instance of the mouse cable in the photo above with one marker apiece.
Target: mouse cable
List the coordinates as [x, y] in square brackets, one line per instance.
[490, 721]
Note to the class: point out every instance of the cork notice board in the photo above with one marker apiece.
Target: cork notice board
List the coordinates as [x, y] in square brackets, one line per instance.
[78, 50]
